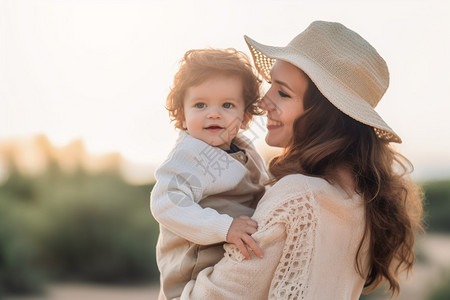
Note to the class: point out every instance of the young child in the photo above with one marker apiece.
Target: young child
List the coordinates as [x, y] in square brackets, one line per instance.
[208, 187]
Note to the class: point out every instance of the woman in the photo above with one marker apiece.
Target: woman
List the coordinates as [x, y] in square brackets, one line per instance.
[339, 216]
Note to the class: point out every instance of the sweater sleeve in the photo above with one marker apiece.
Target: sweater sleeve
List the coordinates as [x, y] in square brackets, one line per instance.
[235, 278]
[181, 183]
[175, 208]
[286, 234]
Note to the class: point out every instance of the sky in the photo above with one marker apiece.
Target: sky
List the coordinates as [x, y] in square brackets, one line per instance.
[100, 70]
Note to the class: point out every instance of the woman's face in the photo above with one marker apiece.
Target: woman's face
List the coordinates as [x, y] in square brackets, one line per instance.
[284, 102]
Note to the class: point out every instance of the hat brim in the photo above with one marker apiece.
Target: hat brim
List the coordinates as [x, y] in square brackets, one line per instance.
[334, 90]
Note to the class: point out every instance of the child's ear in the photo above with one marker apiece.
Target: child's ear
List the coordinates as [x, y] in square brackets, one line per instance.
[183, 120]
[247, 118]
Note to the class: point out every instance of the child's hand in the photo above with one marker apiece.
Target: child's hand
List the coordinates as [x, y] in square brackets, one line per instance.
[239, 234]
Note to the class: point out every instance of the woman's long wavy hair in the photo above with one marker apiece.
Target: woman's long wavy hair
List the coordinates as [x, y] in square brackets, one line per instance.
[326, 139]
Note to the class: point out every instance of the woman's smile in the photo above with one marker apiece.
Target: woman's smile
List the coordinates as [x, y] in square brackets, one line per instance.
[272, 124]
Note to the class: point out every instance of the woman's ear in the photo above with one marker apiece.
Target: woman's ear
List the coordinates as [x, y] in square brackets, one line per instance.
[247, 118]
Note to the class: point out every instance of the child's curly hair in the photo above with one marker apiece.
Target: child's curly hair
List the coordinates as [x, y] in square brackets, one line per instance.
[200, 64]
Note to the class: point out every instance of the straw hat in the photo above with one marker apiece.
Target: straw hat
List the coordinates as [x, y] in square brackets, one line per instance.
[346, 69]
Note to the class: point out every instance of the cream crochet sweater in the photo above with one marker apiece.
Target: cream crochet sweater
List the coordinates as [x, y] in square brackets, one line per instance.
[309, 231]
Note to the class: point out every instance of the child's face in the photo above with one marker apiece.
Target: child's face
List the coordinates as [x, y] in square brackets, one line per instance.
[215, 110]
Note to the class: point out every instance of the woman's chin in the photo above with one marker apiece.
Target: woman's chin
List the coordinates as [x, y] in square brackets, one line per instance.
[273, 142]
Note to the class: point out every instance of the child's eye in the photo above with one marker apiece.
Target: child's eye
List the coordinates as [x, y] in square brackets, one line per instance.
[283, 95]
[200, 105]
[227, 105]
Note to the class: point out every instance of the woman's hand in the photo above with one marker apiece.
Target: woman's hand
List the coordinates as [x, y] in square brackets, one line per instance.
[240, 233]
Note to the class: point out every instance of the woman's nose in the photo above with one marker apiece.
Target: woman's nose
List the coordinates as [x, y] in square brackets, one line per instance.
[267, 104]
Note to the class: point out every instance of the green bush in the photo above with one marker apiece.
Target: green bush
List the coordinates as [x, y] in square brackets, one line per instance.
[20, 271]
[437, 206]
[442, 291]
[379, 293]
[102, 231]
[76, 226]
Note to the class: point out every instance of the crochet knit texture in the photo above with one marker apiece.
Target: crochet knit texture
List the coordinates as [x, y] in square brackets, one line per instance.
[309, 232]
[290, 277]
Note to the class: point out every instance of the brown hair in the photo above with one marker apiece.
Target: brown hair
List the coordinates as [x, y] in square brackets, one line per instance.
[325, 139]
[199, 65]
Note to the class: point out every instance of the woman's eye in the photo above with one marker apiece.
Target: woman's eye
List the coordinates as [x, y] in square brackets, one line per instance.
[227, 105]
[283, 95]
[199, 105]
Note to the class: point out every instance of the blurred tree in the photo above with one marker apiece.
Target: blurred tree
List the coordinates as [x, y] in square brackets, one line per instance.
[75, 225]
[20, 271]
[437, 206]
[441, 291]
